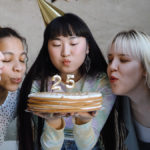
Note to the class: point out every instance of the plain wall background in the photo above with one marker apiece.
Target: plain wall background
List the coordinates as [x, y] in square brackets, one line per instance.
[104, 17]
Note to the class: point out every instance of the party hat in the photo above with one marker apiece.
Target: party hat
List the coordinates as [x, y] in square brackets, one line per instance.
[49, 11]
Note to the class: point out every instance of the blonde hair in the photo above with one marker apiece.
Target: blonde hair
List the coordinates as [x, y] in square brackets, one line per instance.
[136, 44]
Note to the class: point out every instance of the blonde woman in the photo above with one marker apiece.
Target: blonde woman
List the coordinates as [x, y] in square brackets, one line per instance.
[129, 75]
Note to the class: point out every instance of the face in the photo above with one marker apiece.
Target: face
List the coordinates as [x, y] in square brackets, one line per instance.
[14, 63]
[126, 73]
[68, 53]
[1, 62]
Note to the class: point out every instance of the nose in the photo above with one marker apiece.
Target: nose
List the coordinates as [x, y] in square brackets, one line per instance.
[17, 67]
[113, 66]
[65, 50]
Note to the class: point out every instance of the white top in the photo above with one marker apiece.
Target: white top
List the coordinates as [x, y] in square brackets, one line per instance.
[142, 132]
[7, 113]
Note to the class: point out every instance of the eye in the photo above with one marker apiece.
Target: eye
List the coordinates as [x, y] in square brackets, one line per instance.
[56, 45]
[110, 59]
[74, 41]
[23, 58]
[124, 60]
[73, 44]
[7, 60]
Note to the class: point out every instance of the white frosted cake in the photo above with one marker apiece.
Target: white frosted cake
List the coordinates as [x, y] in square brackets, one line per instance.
[64, 102]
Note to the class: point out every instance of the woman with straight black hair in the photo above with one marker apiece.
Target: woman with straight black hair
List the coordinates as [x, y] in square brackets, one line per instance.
[68, 48]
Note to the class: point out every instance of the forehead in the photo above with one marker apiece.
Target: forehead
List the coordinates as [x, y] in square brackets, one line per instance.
[125, 47]
[11, 44]
[67, 37]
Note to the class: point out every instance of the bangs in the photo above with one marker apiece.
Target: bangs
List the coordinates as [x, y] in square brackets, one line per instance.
[61, 30]
[127, 45]
[64, 27]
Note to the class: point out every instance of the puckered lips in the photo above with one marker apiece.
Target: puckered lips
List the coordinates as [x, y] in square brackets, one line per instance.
[66, 62]
[113, 79]
[16, 80]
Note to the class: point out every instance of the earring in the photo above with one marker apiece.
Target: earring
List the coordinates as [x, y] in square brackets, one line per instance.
[87, 63]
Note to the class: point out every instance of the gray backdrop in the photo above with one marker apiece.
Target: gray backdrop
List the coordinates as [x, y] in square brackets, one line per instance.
[104, 17]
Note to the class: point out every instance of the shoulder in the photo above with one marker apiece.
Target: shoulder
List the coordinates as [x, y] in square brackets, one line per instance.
[13, 95]
[98, 76]
[102, 79]
[97, 82]
[35, 86]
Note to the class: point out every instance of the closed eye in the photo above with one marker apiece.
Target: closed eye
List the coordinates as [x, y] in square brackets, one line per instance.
[73, 44]
[6, 61]
[56, 45]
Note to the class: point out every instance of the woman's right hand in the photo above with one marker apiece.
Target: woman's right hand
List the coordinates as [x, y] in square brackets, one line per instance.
[54, 120]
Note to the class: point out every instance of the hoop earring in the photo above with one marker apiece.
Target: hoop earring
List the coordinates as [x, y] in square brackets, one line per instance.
[87, 63]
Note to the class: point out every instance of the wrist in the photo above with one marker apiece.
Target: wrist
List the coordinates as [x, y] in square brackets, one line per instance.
[79, 121]
[56, 124]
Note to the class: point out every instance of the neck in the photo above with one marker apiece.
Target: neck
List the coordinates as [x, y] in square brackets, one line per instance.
[3, 95]
[140, 97]
[140, 106]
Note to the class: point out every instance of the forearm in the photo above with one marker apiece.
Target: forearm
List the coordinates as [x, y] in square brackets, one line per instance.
[51, 138]
[84, 136]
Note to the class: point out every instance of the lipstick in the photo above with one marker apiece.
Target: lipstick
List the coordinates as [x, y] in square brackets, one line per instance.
[16, 80]
[66, 62]
[113, 79]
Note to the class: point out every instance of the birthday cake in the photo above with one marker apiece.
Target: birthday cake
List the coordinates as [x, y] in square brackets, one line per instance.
[49, 102]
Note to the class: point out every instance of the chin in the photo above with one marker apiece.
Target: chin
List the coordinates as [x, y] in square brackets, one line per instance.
[117, 91]
[12, 89]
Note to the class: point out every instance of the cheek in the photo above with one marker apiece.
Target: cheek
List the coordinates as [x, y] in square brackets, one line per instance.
[80, 53]
[6, 70]
[53, 54]
[23, 69]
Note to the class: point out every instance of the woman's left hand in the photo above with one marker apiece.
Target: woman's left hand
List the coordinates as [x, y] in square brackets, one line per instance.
[84, 117]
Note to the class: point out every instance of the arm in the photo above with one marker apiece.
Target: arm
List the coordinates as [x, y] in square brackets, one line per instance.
[86, 135]
[52, 139]
[53, 132]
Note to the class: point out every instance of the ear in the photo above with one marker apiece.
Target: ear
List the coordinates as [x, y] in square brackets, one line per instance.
[87, 49]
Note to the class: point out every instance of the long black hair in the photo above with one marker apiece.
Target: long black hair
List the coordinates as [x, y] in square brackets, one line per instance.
[42, 68]
[114, 131]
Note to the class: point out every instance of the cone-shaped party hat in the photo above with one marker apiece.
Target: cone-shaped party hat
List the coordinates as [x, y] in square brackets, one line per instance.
[49, 12]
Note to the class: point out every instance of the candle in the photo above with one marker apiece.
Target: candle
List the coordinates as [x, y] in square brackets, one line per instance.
[57, 80]
[70, 82]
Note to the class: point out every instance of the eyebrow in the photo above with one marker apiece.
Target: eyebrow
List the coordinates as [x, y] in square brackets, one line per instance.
[56, 38]
[70, 37]
[73, 37]
[10, 53]
[119, 55]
